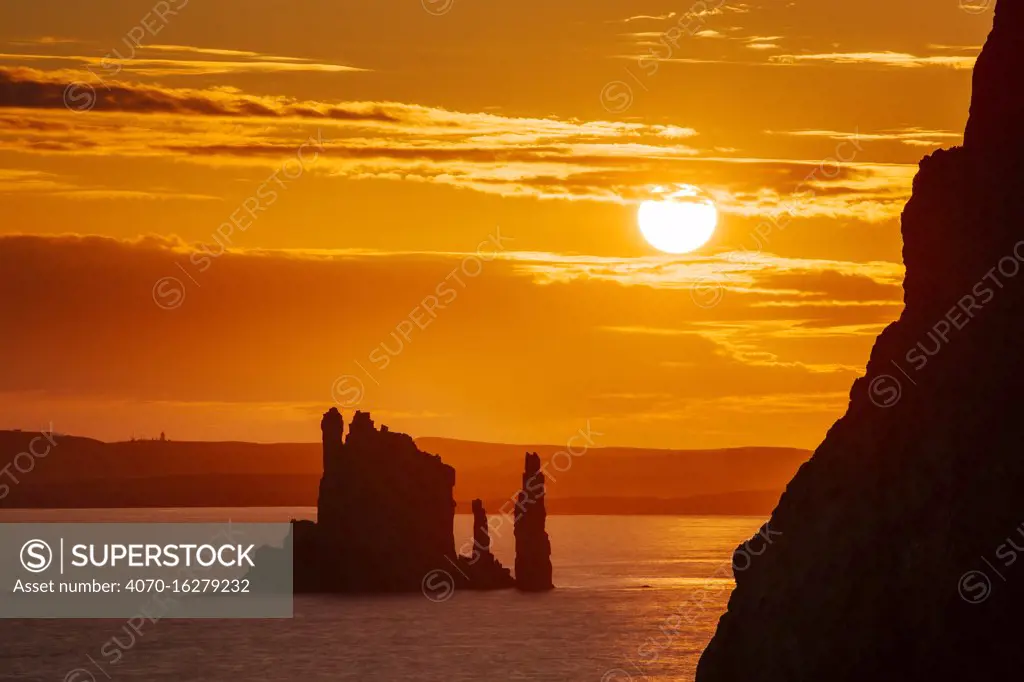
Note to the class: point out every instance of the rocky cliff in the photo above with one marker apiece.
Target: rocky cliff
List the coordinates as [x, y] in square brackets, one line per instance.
[533, 548]
[895, 547]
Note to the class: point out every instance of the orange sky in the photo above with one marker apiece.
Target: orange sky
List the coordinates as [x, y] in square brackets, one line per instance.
[354, 156]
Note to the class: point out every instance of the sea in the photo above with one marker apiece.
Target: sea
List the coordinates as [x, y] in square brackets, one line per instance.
[637, 598]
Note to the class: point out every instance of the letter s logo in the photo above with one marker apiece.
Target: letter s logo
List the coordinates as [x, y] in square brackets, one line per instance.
[36, 556]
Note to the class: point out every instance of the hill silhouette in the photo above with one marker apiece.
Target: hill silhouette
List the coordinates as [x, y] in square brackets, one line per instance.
[894, 553]
[82, 472]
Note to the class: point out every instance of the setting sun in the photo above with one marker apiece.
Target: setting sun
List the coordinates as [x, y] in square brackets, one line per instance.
[680, 222]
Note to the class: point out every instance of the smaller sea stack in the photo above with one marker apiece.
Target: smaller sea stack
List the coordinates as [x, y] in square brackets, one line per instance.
[482, 570]
[533, 548]
[481, 533]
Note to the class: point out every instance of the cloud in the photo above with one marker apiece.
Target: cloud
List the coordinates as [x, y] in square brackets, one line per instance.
[915, 137]
[32, 89]
[649, 17]
[111, 67]
[147, 195]
[662, 46]
[723, 339]
[40, 183]
[221, 52]
[762, 42]
[901, 60]
[264, 327]
[46, 40]
[828, 403]
[544, 158]
[771, 277]
[956, 48]
[14, 180]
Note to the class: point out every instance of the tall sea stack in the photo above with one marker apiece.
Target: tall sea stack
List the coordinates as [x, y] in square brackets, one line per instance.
[533, 548]
[385, 512]
[895, 552]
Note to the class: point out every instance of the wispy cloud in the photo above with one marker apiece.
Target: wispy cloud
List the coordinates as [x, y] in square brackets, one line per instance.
[244, 62]
[220, 52]
[900, 60]
[135, 195]
[649, 17]
[33, 89]
[45, 40]
[544, 158]
[806, 281]
[39, 183]
[915, 137]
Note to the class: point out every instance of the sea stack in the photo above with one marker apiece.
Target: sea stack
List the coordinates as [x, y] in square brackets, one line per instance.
[481, 532]
[482, 570]
[533, 548]
[895, 549]
[385, 512]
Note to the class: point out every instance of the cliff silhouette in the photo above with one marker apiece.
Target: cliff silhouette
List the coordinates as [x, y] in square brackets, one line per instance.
[894, 549]
[385, 518]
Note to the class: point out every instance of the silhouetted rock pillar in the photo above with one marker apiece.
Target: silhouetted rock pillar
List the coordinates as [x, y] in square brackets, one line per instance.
[331, 427]
[482, 570]
[481, 533]
[533, 548]
[329, 511]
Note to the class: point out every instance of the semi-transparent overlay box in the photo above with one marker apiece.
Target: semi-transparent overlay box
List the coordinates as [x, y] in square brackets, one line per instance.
[150, 571]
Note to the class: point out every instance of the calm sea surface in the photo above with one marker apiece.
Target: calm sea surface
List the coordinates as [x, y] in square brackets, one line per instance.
[638, 597]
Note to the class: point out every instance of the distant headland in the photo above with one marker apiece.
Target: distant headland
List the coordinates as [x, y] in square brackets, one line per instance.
[82, 472]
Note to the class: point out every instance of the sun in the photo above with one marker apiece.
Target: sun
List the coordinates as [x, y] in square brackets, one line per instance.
[679, 221]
